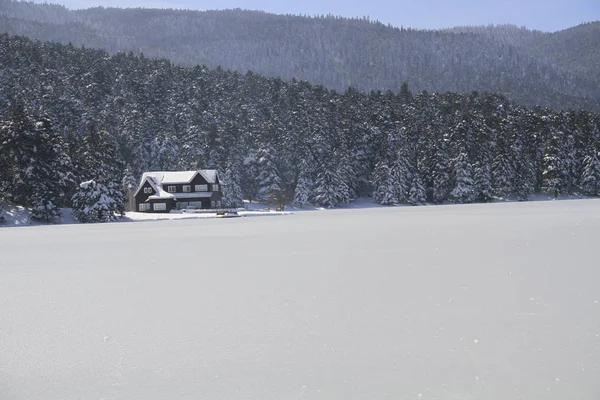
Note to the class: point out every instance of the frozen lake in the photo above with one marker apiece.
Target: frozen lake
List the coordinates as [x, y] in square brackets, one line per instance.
[498, 301]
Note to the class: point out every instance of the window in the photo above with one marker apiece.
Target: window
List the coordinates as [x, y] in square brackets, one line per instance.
[196, 204]
[187, 188]
[147, 190]
[171, 189]
[218, 203]
[215, 188]
[160, 206]
[213, 204]
[144, 207]
[201, 188]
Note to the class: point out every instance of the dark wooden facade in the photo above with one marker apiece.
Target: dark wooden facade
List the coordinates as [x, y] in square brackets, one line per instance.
[202, 199]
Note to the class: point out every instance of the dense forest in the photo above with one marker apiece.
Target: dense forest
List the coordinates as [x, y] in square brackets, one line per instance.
[79, 126]
[559, 70]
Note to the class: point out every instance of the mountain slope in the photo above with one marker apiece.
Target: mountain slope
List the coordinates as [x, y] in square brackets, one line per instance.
[334, 52]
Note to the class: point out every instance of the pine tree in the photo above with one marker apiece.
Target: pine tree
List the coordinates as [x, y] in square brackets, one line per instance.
[100, 168]
[49, 170]
[441, 178]
[130, 185]
[417, 194]
[232, 192]
[270, 189]
[94, 202]
[554, 169]
[482, 182]
[384, 184]
[590, 178]
[34, 161]
[503, 175]
[302, 190]
[463, 191]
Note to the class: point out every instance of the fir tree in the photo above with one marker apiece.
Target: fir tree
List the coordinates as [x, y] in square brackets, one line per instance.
[232, 192]
[463, 191]
[590, 178]
[100, 167]
[302, 190]
[384, 184]
[94, 202]
[417, 194]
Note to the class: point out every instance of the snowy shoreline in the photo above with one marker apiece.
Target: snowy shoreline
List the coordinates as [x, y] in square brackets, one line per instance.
[18, 216]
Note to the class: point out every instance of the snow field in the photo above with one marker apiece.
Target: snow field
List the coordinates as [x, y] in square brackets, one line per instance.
[495, 301]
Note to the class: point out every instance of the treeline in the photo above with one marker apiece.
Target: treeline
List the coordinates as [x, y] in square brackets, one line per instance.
[110, 118]
[556, 70]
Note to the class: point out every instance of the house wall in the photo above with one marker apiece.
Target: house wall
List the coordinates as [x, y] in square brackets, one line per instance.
[141, 197]
[169, 205]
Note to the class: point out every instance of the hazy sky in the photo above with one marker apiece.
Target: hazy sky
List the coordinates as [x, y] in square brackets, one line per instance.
[548, 15]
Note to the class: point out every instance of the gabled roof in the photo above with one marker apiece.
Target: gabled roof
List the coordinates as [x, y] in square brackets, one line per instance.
[180, 177]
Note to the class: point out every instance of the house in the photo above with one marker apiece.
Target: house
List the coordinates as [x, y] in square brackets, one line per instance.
[166, 191]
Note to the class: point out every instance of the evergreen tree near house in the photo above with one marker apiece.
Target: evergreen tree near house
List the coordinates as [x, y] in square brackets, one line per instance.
[230, 187]
[270, 189]
[99, 198]
[95, 202]
[130, 185]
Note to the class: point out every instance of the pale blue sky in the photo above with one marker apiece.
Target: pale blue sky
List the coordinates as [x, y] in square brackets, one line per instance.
[547, 15]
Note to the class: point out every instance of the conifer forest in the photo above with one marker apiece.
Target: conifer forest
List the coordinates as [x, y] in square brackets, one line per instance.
[78, 127]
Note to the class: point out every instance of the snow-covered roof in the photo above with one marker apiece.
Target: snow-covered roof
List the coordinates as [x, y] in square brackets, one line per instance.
[179, 177]
[209, 174]
[161, 195]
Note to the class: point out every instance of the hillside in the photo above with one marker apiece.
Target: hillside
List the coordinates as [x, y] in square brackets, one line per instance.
[533, 68]
[70, 115]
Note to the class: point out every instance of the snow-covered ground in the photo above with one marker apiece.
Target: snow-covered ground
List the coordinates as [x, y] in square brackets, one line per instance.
[494, 301]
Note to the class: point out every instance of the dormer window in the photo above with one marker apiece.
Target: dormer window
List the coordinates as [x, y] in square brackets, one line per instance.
[171, 189]
[187, 188]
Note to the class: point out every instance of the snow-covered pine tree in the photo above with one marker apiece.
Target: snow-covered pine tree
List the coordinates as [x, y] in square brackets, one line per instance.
[554, 169]
[401, 171]
[101, 165]
[345, 191]
[303, 188]
[590, 177]
[441, 177]
[503, 175]
[94, 202]
[50, 170]
[384, 184]
[17, 151]
[35, 166]
[417, 194]
[482, 182]
[463, 191]
[230, 187]
[129, 187]
[249, 181]
[269, 182]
